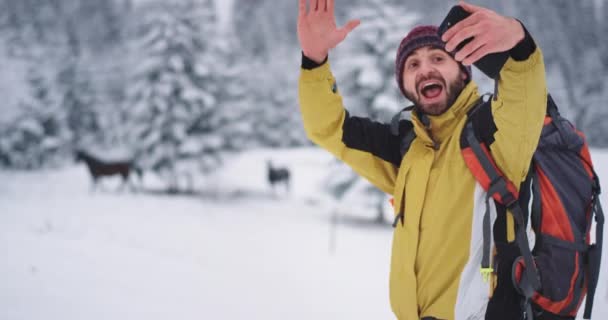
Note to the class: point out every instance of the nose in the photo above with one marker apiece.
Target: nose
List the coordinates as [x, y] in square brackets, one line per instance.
[426, 68]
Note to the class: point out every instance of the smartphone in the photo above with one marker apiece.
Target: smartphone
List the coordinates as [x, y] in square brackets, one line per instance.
[456, 14]
[490, 64]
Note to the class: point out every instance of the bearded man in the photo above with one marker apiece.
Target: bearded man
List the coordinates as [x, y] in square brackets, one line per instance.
[439, 206]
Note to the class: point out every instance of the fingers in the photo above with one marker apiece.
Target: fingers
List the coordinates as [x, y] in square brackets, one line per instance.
[351, 25]
[468, 22]
[478, 54]
[344, 31]
[460, 36]
[322, 5]
[470, 8]
[469, 49]
[314, 7]
[301, 8]
[330, 6]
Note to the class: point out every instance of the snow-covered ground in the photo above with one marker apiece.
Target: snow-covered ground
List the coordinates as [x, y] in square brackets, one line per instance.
[236, 253]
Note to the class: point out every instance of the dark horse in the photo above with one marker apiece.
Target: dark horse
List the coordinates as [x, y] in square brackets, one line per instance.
[277, 175]
[99, 168]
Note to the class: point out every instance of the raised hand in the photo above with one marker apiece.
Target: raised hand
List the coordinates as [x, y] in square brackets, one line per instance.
[317, 30]
[491, 33]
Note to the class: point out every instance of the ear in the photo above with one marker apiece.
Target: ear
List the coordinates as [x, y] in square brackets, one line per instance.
[464, 75]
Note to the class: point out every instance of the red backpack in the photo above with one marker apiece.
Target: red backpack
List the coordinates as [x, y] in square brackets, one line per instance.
[560, 196]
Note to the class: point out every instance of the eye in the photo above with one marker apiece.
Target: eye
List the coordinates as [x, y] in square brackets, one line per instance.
[437, 59]
[412, 65]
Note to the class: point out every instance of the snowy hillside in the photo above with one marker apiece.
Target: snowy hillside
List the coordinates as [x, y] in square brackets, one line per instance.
[69, 254]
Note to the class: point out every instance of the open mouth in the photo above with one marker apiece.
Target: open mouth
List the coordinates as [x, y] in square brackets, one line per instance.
[430, 89]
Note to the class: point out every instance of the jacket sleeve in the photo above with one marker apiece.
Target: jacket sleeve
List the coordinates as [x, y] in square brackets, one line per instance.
[519, 109]
[518, 115]
[368, 147]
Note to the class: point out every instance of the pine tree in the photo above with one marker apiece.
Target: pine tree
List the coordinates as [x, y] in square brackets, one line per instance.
[180, 127]
[78, 98]
[227, 119]
[61, 43]
[268, 44]
[276, 121]
[45, 110]
[38, 137]
[265, 25]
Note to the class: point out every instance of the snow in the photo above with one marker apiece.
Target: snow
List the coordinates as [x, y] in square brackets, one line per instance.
[370, 77]
[224, 12]
[240, 252]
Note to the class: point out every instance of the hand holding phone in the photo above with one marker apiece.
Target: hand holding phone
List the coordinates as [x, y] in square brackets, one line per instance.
[489, 63]
[455, 15]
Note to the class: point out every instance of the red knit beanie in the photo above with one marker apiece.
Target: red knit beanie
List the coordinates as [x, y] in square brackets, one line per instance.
[420, 36]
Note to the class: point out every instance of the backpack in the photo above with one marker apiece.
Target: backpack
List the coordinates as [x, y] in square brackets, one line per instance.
[563, 190]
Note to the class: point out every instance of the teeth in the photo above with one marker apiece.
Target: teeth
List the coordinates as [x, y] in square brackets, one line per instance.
[430, 84]
[426, 85]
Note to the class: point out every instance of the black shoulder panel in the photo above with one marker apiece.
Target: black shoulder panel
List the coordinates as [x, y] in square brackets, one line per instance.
[374, 137]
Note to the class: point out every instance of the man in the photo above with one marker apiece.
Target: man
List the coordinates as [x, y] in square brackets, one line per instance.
[437, 244]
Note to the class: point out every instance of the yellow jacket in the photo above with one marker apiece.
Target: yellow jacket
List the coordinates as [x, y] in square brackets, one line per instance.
[436, 251]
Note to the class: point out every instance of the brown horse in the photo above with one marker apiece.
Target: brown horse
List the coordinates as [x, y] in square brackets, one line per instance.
[99, 168]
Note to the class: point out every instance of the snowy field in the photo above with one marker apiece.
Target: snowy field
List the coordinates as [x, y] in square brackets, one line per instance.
[238, 252]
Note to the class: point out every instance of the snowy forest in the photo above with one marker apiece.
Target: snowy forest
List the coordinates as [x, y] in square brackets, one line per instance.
[200, 98]
[177, 86]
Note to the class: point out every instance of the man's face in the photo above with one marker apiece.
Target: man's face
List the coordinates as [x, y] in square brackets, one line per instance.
[432, 80]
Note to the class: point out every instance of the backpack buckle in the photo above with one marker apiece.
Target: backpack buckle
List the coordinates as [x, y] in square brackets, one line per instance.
[499, 185]
[486, 273]
[509, 200]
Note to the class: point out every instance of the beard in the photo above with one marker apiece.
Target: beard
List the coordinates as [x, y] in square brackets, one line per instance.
[453, 90]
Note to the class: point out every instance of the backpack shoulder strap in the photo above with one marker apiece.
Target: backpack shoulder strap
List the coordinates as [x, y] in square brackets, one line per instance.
[404, 129]
[482, 119]
[595, 250]
[396, 120]
[475, 140]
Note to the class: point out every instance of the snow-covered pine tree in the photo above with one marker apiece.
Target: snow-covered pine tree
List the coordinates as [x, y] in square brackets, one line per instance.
[276, 120]
[228, 119]
[221, 125]
[180, 128]
[78, 98]
[37, 137]
[105, 36]
[267, 42]
[61, 43]
[26, 87]
[263, 25]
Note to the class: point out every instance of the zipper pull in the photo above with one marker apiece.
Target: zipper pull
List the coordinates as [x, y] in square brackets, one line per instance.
[427, 127]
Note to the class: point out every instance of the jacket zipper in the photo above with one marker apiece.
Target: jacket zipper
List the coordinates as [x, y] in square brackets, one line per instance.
[435, 145]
